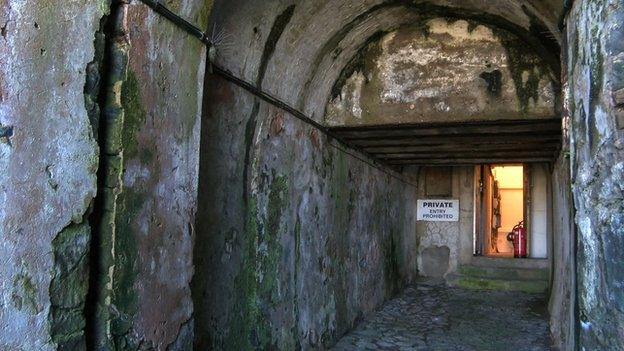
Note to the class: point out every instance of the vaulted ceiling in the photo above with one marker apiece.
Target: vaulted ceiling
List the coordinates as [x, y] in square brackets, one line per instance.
[296, 51]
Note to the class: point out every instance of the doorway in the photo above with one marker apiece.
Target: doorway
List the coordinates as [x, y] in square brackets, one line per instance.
[502, 201]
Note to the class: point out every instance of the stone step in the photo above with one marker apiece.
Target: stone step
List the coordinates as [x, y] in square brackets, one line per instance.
[504, 273]
[481, 283]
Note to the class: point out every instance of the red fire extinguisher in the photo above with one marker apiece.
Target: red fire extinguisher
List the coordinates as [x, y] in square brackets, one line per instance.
[519, 238]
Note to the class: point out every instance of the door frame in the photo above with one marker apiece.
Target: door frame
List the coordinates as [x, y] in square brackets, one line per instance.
[482, 222]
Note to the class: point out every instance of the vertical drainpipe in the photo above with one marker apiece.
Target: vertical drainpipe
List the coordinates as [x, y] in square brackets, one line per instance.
[110, 124]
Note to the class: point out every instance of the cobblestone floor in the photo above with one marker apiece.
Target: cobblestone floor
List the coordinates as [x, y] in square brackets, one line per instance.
[435, 317]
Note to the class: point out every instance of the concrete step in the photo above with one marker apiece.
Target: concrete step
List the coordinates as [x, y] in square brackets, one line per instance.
[504, 273]
[482, 283]
[500, 262]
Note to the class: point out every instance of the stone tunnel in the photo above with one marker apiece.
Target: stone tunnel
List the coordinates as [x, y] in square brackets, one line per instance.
[312, 175]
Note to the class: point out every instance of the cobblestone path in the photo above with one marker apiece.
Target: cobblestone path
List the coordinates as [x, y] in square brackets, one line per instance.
[435, 317]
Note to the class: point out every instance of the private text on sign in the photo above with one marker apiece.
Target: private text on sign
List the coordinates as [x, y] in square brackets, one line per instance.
[435, 210]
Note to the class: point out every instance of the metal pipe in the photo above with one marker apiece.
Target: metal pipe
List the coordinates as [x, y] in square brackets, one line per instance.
[177, 20]
[199, 34]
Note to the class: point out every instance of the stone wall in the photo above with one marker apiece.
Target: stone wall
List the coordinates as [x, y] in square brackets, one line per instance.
[150, 130]
[595, 61]
[49, 158]
[563, 284]
[298, 240]
[73, 76]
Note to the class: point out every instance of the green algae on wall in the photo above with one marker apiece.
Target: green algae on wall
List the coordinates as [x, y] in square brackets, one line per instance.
[24, 294]
[247, 327]
[68, 288]
[129, 204]
[123, 296]
[526, 68]
[134, 114]
[245, 315]
[257, 282]
[300, 280]
[391, 265]
[110, 125]
[270, 238]
[155, 69]
[123, 114]
[342, 193]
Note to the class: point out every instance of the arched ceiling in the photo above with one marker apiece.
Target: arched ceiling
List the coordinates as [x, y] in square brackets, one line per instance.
[443, 70]
[297, 50]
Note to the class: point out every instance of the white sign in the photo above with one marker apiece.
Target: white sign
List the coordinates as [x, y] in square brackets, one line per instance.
[438, 210]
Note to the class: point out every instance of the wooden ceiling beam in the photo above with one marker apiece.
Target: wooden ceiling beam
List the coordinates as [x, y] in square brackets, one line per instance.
[468, 161]
[450, 155]
[502, 141]
[447, 130]
[519, 146]
[428, 125]
[456, 140]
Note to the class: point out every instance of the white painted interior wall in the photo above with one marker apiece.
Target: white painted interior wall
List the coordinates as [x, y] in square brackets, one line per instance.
[538, 237]
[510, 183]
[511, 214]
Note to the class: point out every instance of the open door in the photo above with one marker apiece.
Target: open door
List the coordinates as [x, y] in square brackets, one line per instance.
[500, 194]
[478, 201]
[526, 187]
[484, 219]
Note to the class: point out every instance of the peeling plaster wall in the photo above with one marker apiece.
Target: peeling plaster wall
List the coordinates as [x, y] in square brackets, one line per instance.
[49, 123]
[48, 157]
[595, 51]
[153, 118]
[310, 243]
[443, 70]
